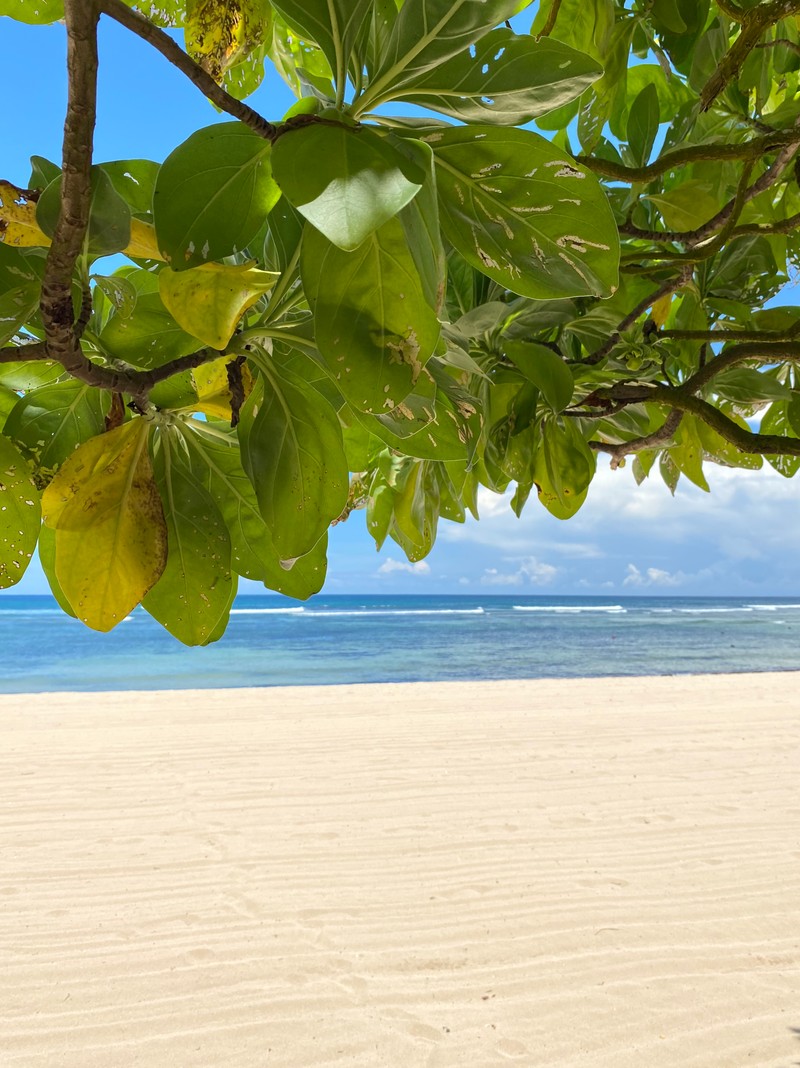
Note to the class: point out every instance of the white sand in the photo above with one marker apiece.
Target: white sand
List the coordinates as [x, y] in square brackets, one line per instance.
[596, 872]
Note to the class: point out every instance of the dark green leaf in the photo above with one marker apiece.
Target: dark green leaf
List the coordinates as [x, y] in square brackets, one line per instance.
[545, 369]
[52, 421]
[109, 215]
[20, 514]
[643, 120]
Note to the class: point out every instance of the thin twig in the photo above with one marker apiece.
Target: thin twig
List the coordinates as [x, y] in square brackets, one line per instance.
[552, 16]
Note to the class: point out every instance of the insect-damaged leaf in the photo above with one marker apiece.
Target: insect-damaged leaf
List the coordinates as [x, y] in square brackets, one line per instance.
[346, 182]
[52, 421]
[33, 11]
[208, 301]
[20, 514]
[428, 32]
[292, 450]
[373, 325]
[222, 33]
[212, 194]
[563, 468]
[111, 539]
[519, 210]
[18, 225]
[333, 24]
[192, 598]
[510, 80]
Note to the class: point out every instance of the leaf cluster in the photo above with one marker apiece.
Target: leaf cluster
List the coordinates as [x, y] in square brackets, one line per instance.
[568, 249]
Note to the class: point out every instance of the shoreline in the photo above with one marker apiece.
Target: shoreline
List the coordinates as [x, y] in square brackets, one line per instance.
[426, 875]
[532, 680]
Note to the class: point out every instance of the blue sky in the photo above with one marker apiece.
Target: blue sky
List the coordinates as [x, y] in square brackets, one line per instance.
[738, 540]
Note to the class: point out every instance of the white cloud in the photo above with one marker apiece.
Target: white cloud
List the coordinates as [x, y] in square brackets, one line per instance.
[530, 571]
[653, 576]
[390, 565]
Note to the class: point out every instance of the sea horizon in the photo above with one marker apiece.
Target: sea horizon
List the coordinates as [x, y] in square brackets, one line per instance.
[366, 638]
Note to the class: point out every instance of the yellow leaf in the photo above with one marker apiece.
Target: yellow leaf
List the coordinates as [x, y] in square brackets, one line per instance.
[208, 301]
[213, 391]
[659, 313]
[215, 32]
[221, 33]
[111, 537]
[18, 224]
[143, 244]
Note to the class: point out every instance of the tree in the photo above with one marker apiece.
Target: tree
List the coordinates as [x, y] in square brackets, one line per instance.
[346, 310]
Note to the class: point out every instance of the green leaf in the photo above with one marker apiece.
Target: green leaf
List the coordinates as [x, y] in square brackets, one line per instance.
[35, 12]
[148, 337]
[745, 385]
[563, 469]
[135, 181]
[510, 80]
[305, 576]
[47, 558]
[425, 34]
[52, 421]
[120, 291]
[293, 452]
[109, 216]
[643, 120]
[420, 221]
[545, 369]
[687, 206]
[20, 288]
[519, 210]
[346, 182]
[333, 24]
[110, 534]
[374, 327]
[20, 514]
[212, 194]
[193, 597]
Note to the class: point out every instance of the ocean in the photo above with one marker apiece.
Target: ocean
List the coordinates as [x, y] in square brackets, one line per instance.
[272, 641]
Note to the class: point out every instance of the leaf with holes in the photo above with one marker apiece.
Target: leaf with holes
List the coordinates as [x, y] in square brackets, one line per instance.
[425, 34]
[518, 209]
[20, 514]
[510, 80]
[52, 421]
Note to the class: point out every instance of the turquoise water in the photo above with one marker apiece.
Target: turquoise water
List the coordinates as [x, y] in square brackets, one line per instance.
[275, 642]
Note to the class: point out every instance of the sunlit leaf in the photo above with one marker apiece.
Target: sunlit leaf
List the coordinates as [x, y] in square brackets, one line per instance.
[209, 300]
[111, 539]
[346, 182]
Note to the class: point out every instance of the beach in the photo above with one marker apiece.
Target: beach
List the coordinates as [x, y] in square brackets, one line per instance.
[549, 873]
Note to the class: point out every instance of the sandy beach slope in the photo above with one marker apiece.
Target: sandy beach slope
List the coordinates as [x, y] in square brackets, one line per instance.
[597, 872]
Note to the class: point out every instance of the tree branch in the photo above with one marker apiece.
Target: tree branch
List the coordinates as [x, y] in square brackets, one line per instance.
[164, 44]
[680, 157]
[745, 440]
[73, 218]
[659, 437]
[670, 286]
[734, 354]
[754, 22]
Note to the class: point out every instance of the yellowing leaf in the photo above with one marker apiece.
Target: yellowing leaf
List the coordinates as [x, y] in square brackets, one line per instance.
[143, 244]
[213, 390]
[208, 301]
[18, 224]
[215, 32]
[111, 537]
[659, 313]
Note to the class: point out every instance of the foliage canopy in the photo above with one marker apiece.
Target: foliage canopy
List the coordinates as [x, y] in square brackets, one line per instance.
[565, 250]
